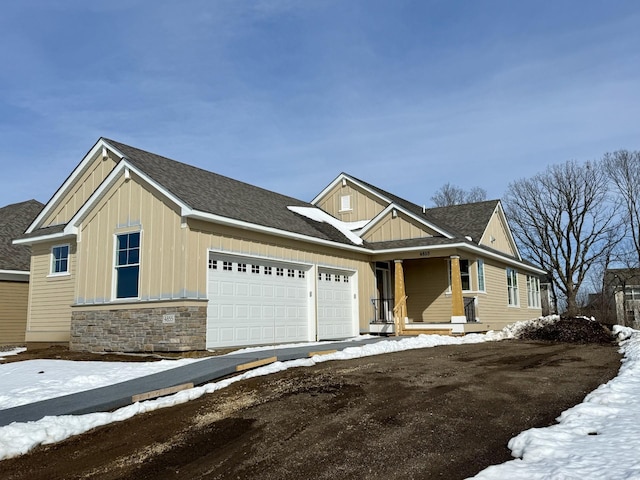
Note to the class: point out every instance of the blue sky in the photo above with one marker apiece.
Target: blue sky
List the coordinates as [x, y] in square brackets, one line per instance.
[407, 95]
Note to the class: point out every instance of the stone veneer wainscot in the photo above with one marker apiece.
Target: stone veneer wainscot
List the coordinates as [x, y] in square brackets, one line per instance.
[139, 329]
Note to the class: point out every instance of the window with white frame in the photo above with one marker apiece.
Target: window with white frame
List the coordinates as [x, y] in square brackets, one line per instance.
[480, 267]
[345, 203]
[127, 265]
[632, 293]
[533, 291]
[60, 259]
[512, 287]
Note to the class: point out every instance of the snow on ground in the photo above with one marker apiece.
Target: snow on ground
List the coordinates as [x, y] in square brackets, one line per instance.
[34, 380]
[598, 438]
[14, 351]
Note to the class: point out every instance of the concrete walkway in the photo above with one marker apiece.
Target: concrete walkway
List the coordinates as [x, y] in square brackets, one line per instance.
[198, 373]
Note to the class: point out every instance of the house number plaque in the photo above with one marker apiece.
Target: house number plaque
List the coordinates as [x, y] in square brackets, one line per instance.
[170, 318]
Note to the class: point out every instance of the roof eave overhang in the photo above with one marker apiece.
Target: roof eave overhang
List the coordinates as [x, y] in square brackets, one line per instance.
[218, 219]
[461, 246]
[392, 206]
[14, 276]
[66, 234]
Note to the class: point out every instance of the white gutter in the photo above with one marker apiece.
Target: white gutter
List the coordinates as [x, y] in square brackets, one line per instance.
[14, 275]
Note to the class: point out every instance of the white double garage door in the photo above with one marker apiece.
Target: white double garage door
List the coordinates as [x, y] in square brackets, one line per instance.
[255, 301]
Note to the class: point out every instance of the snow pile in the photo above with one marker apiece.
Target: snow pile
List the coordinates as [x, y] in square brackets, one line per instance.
[598, 438]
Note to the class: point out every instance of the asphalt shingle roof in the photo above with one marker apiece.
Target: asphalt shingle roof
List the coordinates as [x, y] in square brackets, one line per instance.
[469, 219]
[14, 220]
[210, 192]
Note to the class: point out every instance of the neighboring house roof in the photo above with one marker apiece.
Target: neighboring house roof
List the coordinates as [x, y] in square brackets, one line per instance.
[622, 277]
[14, 220]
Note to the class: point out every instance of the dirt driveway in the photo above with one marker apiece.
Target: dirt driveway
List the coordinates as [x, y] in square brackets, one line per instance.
[445, 412]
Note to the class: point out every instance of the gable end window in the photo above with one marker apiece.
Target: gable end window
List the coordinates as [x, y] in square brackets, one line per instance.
[512, 287]
[60, 259]
[345, 203]
[127, 265]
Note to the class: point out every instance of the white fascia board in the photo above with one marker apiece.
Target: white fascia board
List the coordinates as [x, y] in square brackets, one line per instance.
[68, 183]
[211, 217]
[14, 275]
[500, 211]
[120, 169]
[464, 246]
[393, 206]
[45, 238]
[339, 179]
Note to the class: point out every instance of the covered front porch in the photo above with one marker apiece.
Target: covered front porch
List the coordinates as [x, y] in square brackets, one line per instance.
[425, 293]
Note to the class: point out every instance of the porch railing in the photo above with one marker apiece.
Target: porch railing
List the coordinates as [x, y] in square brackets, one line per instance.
[383, 310]
[470, 309]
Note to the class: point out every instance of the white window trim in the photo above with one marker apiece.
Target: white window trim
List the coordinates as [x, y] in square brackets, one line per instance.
[536, 292]
[471, 290]
[114, 268]
[484, 276]
[345, 199]
[515, 288]
[52, 260]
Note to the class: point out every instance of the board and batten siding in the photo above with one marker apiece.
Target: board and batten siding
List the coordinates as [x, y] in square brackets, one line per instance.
[496, 230]
[364, 205]
[13, 312]
[174, 254]
[129, 206]
[49, 314]
[80, 191]
[205, 236]
[400, 228]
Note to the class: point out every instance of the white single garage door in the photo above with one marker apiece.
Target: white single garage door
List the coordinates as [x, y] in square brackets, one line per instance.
[336, 300]
[255, 301]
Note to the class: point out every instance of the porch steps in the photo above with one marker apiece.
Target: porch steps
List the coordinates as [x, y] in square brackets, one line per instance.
[425, 331]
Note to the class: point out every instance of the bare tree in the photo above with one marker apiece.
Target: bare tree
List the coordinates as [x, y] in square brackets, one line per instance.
[452, 195]
[623, 170]
[565, 222]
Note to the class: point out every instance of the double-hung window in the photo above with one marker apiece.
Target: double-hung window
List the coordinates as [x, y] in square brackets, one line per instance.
[480, 265]
[127, 265]
[533, 291]
[60, 259]
[512, 287]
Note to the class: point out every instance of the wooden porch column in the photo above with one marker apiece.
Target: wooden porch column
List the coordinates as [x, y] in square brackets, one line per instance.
[457, 302]
[400, 308]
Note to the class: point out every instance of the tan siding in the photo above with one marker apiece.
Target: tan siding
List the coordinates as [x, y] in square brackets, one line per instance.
[364, 205]
[130, 206]
[50, 296]
[215, 237]
[399, 228]
[497, 229]
[426, 288]
[493, 309]
[13, 312]
[80, 191]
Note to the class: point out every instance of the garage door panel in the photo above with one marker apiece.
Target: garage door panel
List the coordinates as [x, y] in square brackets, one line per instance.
[335, 305]
[256, 301]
